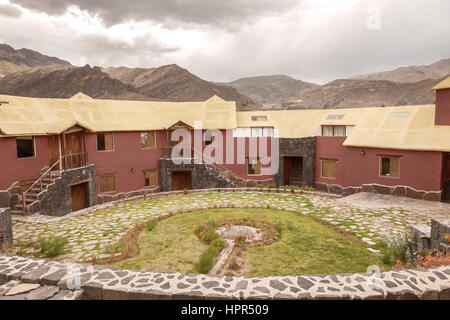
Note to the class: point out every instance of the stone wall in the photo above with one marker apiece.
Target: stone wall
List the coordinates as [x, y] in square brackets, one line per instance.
[96, 282]
[204, 176]
[10, 197]
[105, 198]
[400, 191]
[299, 146]
[425, 238]
[6, 231]
[56, 200]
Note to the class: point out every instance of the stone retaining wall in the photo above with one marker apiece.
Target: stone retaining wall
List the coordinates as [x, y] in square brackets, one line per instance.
[56, 200]
[425, 238]
[87, 281]
[400, 191]
[104, 198]
[6, 232]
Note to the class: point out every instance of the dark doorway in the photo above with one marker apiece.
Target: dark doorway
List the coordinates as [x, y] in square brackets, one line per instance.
[446, 178]
[293, 171]
[79, 197]
[181, 180]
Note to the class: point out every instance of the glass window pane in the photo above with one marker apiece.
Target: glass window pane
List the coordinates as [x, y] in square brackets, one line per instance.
[339, 131]
[327, 131]
[267, 132]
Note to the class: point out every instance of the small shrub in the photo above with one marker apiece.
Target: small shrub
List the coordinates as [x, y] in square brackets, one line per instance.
[150, 225]
[199, 229]
[209, 236]
[53, 247]
[206, 261]
[395, 249]
[219, 244]
[185, 191]
[260, 186]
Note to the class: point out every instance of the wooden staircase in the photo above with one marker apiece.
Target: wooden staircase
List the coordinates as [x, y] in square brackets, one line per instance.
[31, 195]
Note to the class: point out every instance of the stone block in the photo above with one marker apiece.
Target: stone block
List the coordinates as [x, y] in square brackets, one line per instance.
[432, 196]
[382, 189]
[367, 188]
[412, 193]
[399, 191]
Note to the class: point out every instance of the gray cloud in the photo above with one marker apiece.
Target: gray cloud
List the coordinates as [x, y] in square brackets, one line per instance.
[309, 41]
[171, 12]
[10, 11]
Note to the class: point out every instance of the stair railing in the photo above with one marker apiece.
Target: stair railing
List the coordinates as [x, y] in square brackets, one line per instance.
[48, 172]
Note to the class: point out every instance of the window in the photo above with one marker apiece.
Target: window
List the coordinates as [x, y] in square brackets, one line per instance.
[25, 147]
[268, 132]
[399, 115]
[333, 131]
[335, 116]
[107, 183]
[148, 139]
[150, 178]
[389, 166]
[253, 166]
[329, 169]
[105, 142]
[257, 132]
[259, 118]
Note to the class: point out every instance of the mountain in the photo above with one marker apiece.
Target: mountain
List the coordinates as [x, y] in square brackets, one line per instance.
[65, 81]
[12, 60]
[352, 93]
[271, 90]
[436, 70]
[174, 83]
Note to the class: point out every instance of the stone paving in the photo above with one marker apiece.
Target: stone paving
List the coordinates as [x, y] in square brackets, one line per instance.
[42, 279]
[95, 233]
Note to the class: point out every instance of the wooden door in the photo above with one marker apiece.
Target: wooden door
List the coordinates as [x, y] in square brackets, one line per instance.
[73, 150]
[181, 180]
[287, 170]
[79, 197]
[53, 149]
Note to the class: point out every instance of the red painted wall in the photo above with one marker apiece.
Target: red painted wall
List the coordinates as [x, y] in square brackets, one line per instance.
[442, 115]
[127, 154]
[422, 170]
[13, 169]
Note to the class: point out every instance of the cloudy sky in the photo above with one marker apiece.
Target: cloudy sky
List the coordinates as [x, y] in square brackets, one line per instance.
[313, 40]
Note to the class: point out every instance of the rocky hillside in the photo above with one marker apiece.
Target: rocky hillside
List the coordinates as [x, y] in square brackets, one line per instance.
[436, 70]
[12, 60]
[271, 91]
[365, 93]
[65, 81]
[173, 83]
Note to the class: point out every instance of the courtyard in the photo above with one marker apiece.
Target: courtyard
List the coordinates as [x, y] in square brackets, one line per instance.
[92, 235]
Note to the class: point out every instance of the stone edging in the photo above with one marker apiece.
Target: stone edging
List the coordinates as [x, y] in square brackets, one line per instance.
[97, 282]
[399, 191]
[150, 195]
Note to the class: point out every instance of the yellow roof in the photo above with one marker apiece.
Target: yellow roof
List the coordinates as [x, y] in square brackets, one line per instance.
[404, 128]
[443, 85]
[40, 116]
[407, 127]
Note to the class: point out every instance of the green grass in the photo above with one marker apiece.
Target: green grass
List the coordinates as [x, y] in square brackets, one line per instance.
[305, 246]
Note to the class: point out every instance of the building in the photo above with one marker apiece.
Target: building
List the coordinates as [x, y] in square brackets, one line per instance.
[61, 155]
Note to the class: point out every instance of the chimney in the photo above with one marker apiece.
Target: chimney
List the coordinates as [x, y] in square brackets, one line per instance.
[442, 114]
